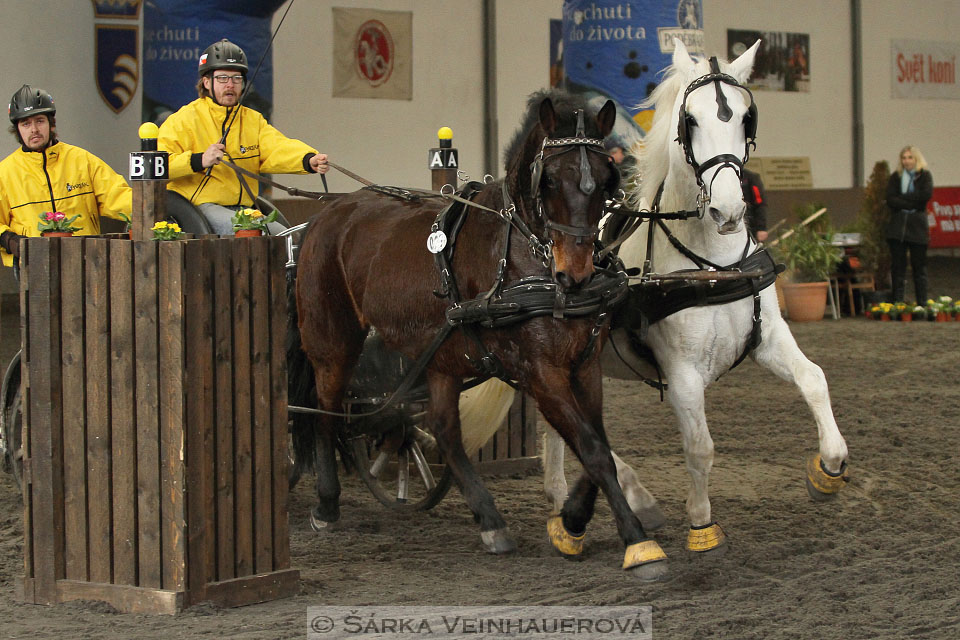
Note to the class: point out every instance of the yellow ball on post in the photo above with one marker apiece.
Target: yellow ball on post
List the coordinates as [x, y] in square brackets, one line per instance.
[148, 130]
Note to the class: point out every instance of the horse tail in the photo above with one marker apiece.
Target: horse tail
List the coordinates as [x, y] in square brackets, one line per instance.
[301, 386]
[482, 411]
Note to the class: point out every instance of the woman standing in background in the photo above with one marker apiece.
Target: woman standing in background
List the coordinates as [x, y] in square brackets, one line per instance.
[908, 191]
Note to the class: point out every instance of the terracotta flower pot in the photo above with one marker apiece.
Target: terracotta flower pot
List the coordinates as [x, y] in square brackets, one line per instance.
[906, 317]
[884, 317]
[805, 301]
[942, 316]
[247, 233]
[57, 234]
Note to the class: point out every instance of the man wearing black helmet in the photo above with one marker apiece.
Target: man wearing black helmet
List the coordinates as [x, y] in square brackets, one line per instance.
[46, 175]
[216, 126]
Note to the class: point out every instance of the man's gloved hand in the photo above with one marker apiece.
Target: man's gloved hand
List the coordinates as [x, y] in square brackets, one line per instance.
[11, 242]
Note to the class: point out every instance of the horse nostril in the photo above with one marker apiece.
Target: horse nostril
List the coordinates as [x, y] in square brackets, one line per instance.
[564, 280]
[717, 215]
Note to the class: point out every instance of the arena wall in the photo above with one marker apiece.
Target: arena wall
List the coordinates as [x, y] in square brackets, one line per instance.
[50, 43]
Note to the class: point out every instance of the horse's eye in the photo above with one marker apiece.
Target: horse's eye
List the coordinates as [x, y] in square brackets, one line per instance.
[691, 121]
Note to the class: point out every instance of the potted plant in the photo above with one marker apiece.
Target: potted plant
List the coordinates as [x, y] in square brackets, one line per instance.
[871, 224]
[164, 230]
[55, 223]
[250, 222]
[810, 259]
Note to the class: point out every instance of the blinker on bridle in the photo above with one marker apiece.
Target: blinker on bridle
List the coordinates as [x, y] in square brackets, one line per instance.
[724, 113]
[587, 185]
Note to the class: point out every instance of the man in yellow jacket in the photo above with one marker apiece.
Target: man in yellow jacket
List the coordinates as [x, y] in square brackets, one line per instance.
[194, 138]
[46, 175]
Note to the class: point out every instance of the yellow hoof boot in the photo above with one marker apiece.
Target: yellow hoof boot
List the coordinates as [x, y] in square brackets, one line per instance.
[822, 480]
[562, 540]
[705, 538]
[643, 553]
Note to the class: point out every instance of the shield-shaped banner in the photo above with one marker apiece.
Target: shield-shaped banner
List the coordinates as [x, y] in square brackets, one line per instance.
[118, 56]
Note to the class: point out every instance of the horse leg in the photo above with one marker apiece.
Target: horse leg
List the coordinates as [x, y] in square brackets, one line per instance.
[554, 479]
[333, 354]
[685, 395]
[443, 419]
[574, 408]
[778, 352]
[641, 501]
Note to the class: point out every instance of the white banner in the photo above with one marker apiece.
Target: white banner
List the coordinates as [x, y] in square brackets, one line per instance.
[372, 53]
[924, 69]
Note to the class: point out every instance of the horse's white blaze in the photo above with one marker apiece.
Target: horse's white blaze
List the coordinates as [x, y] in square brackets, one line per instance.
[697, 345]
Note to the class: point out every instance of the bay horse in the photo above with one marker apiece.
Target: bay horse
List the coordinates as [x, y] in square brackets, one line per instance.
[692, 160]
[364, 263]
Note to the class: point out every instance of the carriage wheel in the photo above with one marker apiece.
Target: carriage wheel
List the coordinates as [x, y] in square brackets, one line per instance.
[397, 472]
[14, 443]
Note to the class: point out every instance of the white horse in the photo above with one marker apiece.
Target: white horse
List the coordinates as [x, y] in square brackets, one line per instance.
[699, 140]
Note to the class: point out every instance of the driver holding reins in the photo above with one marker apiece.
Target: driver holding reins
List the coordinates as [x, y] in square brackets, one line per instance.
[45, 175]
[192, 136]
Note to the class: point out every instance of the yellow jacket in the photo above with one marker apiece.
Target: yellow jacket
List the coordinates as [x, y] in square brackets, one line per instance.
[252, 144]
[61, 178]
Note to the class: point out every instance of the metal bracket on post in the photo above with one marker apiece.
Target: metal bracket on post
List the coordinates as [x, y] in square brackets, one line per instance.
[149, 172]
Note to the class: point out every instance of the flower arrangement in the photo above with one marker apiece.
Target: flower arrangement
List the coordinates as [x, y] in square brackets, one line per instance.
[941, 309]
[252, 219]
[56, 221]
[881, 309]
[164, 230]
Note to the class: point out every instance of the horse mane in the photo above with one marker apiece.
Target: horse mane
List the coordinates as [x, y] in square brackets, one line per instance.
[525, 143]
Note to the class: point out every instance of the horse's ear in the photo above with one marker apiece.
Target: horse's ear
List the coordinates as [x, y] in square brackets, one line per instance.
[742, 67]
[548, 117]
[682, 61]
[606, 118]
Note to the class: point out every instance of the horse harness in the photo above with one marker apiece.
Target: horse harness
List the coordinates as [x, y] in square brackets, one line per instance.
[505, 304]
[660, 295]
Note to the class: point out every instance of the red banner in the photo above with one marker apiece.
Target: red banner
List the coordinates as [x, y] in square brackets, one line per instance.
[943, 215]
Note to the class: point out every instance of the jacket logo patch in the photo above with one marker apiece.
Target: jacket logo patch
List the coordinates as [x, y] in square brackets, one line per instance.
[79, 185]
[252, 147]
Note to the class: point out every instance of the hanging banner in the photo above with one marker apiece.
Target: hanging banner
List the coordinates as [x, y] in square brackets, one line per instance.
[175, 34]
[117, 51]
[373, 54]
[616, 48]
[943, 217]
[921, 69]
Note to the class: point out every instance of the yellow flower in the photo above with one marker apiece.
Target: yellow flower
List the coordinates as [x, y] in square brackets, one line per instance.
[173, 227]
[160, 225]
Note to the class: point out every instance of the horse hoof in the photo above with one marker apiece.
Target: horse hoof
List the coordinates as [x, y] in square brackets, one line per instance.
[646, 560]
[321, 526]
[651, 518]
[653, 572]
[818, 496]
[569, 545]
[498, 541]
[822, 485]
[707, 539]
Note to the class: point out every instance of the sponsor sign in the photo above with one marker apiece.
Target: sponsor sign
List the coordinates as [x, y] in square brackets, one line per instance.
[924, 69]
[943, 216]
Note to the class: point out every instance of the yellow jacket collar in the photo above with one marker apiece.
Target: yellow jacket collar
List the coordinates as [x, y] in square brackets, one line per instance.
[52, 152]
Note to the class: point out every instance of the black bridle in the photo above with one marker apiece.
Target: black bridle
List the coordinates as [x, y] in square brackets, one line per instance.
[579, 142]
[724, 113]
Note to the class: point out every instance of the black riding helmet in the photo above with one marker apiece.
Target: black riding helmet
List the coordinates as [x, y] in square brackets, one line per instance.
[222, 55]
[28, 101]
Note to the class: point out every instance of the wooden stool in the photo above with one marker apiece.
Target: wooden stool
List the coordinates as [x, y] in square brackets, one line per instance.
[849, 282]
